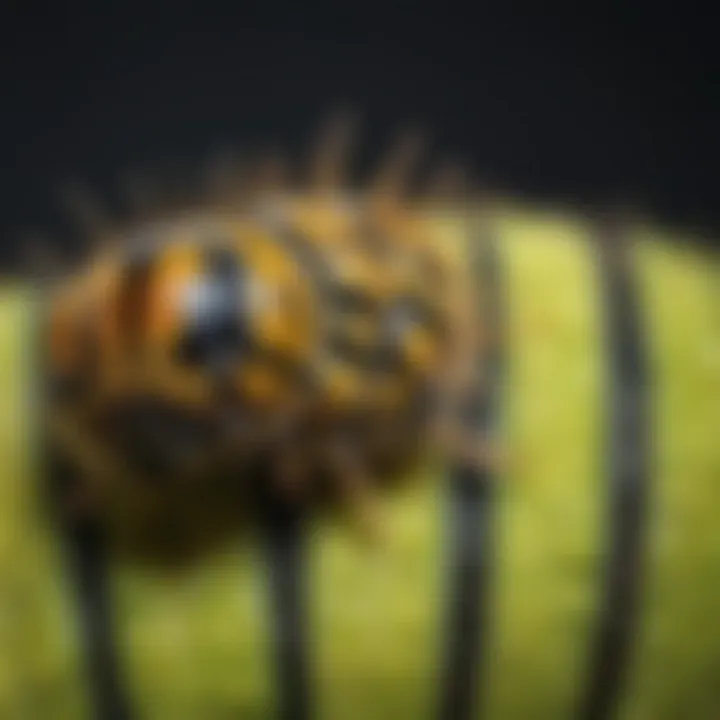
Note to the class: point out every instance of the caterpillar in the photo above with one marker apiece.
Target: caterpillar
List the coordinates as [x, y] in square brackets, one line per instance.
[318, 340]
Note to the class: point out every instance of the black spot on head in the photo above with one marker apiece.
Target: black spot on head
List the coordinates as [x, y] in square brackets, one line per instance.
[216, 316]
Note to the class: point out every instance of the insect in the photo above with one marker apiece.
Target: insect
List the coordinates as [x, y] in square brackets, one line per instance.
[270, 354]
[317, 334]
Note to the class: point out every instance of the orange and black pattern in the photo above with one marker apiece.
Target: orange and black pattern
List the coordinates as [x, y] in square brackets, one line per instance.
[309, 331]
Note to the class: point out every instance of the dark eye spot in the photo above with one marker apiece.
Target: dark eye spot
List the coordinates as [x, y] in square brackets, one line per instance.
[216, 314]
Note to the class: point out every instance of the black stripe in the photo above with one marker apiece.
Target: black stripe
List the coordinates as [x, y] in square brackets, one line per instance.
[331, 295]
[471, 501]
[339, 299]
[309, 257]
[627, 479]
[352, 299]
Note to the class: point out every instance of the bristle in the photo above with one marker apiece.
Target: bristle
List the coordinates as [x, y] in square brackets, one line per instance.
[140, 196]
[40, 258]
[146, 199]
[329, 164]
[222, 180]
[85, 210]
[270, 175]
[449, 184]
[397, 170]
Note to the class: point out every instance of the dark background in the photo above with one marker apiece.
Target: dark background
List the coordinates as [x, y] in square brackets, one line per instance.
[582, 103]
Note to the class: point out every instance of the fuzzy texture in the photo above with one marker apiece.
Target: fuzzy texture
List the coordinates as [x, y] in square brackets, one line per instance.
[318, 340]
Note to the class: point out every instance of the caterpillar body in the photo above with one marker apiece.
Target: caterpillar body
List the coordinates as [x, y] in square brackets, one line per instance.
[311, 339]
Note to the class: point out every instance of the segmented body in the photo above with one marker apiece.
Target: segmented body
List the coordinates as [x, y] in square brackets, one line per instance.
[306, 333]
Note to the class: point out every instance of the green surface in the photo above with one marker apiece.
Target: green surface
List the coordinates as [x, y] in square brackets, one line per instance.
[198, 647]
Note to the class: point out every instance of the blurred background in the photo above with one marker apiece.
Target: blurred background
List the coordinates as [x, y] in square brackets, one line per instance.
[551, 101]
[558, 109]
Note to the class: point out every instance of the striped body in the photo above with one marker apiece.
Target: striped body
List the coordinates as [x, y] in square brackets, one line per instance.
[224, 338]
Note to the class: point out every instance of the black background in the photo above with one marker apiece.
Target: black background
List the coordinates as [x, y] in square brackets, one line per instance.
[584, 102]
